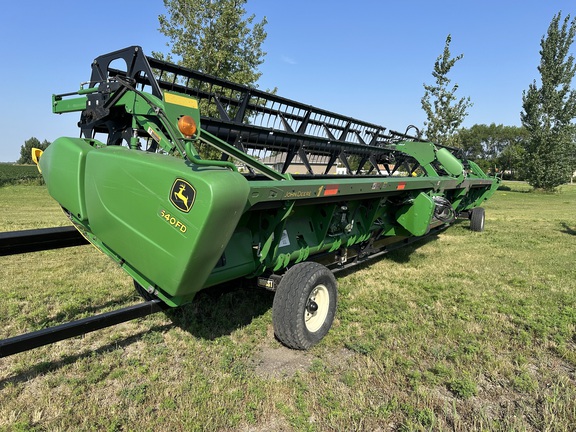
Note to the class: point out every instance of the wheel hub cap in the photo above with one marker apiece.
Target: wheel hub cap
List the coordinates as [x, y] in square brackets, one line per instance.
[317, 307]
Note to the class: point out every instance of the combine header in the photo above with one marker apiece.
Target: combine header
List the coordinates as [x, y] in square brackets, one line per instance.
[188, 181]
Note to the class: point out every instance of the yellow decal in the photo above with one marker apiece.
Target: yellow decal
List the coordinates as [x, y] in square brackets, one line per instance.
[298, 194]
[182, 195]
[180, 100]
[173, 221]
[266, 283]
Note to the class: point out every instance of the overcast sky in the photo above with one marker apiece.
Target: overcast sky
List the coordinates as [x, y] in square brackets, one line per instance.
[365, 59]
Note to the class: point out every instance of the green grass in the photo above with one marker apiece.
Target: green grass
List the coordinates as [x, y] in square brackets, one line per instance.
[465, 331]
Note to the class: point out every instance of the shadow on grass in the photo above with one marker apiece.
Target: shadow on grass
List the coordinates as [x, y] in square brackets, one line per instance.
[402, 254]
[43, 367]
[567, 229]
[523, 190]
[215, 312]
[218, 311]
[74, 312]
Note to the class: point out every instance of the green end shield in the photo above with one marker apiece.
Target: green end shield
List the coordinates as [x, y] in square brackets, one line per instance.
[64, 163]
[161, 218]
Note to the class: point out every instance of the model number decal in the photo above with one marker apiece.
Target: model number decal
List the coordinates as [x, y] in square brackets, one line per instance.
[173, 221]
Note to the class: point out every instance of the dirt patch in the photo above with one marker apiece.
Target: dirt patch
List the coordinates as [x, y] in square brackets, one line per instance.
[341, 359]
[281, 362]
[276, 424]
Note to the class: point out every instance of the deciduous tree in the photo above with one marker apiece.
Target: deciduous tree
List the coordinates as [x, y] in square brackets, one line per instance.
[444, 111]
[549, 109]
[215, 37]
[26, 149]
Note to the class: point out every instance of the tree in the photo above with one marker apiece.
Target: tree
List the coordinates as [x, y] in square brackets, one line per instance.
[511, 161]
[494, 147]
[445, 113]
[548, 110]
[213, 36]
[26, 149]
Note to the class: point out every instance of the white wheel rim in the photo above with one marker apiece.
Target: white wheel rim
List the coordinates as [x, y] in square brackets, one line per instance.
[315, 320]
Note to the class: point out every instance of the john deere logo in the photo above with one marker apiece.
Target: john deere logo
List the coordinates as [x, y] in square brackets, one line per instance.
[182, 195]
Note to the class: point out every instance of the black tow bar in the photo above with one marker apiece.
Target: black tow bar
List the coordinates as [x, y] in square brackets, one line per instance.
[17, 242]
[71, 329]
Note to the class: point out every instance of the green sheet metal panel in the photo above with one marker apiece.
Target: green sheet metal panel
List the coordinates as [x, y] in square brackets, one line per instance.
[64, 164]
[416, 215]
[165, 218]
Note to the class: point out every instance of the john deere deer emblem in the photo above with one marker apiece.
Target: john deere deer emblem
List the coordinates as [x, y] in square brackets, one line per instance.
[182, 195]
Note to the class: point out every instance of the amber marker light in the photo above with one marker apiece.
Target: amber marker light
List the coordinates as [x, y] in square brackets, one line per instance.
[187, 126]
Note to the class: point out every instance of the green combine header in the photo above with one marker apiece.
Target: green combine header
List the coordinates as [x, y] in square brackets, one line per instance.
[188, 181]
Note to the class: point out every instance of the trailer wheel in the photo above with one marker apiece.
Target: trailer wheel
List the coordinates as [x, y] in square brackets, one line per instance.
[477, 218]
[304, 305]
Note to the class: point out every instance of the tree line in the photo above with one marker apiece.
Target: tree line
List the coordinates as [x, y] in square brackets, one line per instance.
[541, 151]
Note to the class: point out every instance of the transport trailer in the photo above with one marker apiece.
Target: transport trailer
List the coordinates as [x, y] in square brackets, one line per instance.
[188, 181]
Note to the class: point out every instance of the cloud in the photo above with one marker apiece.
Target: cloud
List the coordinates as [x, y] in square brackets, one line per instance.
[289, 60]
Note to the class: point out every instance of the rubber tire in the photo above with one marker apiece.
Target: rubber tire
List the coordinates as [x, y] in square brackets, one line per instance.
[477, 219]
[290, 301]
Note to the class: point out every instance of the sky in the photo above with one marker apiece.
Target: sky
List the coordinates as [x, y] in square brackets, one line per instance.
[367, 59]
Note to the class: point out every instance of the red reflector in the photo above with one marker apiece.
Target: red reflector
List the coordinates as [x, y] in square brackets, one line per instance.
[401, 186]
[331, 190]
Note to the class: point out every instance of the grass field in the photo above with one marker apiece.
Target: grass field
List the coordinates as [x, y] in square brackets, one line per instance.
[464, 331]
[18, 174]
